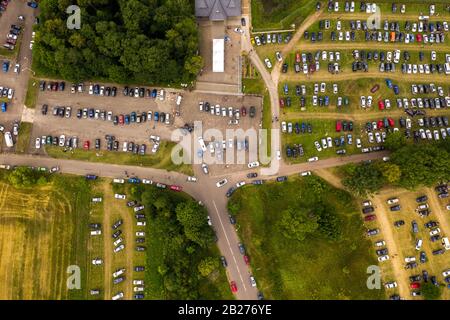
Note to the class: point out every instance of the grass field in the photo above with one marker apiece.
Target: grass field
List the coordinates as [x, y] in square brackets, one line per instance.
[268, 16]
[43, 230]
[32, 93]
[162, 159]
[311, 269]
[23, 142]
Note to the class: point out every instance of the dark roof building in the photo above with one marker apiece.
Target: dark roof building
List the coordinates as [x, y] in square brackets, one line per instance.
[217, 10]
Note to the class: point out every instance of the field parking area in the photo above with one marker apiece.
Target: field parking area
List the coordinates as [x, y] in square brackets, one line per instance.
[406, 238]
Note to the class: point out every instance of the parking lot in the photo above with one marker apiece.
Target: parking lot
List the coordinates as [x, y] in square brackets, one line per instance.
[92, 128]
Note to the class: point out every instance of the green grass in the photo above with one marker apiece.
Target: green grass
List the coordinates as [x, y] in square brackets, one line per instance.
[253, 86]
[267, 16]
[23, 142]
[44, 230]
[161, 160]
[267, 121]
[311, 269]
[32, 93]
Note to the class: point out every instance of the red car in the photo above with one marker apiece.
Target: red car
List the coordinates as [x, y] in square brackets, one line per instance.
[380, 124]
[176, 188]
[381, 105]
[233, 287]
[415, 285]
[419, 38]
[338, 126]
[297, 57]
[246, 260]
[86, 145]
[370, 217]
[243, 111]
[391, 122]
[375, 88]
[281, 102]
[121, 119]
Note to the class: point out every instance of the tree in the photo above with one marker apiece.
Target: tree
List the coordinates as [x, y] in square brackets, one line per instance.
[394, 141]
[23, 177]
[391, 172]
[297, 224]
[364, 179]
[207, 266]
[430, 291]
[422, 165]
[193, 219]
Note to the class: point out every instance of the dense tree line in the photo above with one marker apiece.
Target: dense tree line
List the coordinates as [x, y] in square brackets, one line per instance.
[127, 41]
[179, 224]
[410, 166]
[25, 177]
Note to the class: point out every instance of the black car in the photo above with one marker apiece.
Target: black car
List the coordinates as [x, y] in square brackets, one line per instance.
[395, 208]
[117, 224]
[44, 109]
[431, 224]
[425, 275]
[399, 223]
[423, 257]
[252, 112]
[252, 175]
[260, 296]
[281, 179]
[438, 252]
[367, 210]
[131, 203]
[421, 199]
[95, 225]
[415, 278]
[113, 91]
[116, 234]
[97, 144]
[224, 261]
[118, 280]
[125, 91]
[241, 248]
[243, 23]
[232, 219]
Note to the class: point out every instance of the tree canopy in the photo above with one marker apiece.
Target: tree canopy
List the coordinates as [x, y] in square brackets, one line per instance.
[126, 41]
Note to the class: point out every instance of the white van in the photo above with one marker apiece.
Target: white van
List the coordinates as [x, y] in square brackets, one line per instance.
[446, 243]
[118, 296]
[8, 139]
[119, 181]
[202, 144]
[419, 244]
[161, 94]
[96, 232]
[167, 118]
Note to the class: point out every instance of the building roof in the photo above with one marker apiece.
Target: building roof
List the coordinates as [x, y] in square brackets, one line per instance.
[217, 10]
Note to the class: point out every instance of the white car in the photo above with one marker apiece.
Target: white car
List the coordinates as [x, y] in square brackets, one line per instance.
[278, 56]
[140, 234]
[120, 196]
[393, 201]
[138, 282]
[38, 143]
[252, 281]
[205, 168]
[97, 261]
[209, 220]
[117, 296]
[138, 289]
[278, 155]
[317, 145]
[313, 159]
[147, 181]
[268, 63]
[410, 259]
[305, 173]
[391, 285]
[140, 223]
[117, 242]
[221, 183]
[240, 184]
[446, 273]
[380, 243]
[435, 232]
[119, 248]
[383, 258]
[238, 30]
[253, 164]
[191, 179]
[17, 68]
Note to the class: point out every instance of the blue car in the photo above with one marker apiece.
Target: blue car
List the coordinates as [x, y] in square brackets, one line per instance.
[286, 88]
[327, 101]
[91, 177]
[5, 66]
[139, 296]
[389, 83]
[133, 117]
[4, 106]
[396, 89]
[32, 4]
[134, 180]
[127, 119]
[154, 93]
[156, 116]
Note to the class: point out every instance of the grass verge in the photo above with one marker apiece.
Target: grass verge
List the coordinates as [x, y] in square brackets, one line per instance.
[161, 160]
[23, 142]
[32, 93]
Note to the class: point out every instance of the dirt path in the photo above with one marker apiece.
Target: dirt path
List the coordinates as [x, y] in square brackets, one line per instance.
[388, 236]
[326, 76]
[113, 206]
[107, 243]
[441, 215]
[330, 177]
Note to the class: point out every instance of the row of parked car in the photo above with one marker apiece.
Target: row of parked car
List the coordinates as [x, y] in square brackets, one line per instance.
[405, 103]
[233, 113]
[12, 36]
[98, 114]
[6, 92]
[276, 38]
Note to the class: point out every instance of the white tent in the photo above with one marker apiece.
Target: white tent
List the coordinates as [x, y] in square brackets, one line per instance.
[218, 55]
